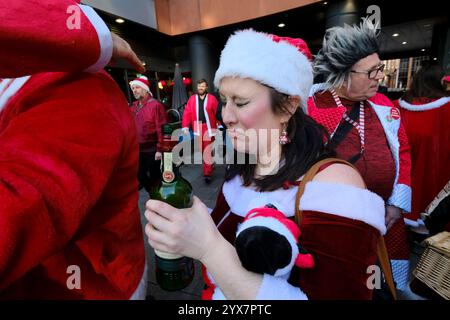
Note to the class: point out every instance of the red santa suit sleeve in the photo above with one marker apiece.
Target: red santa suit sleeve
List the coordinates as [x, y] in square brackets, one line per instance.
[215, 105]
[68, 166]
[399, 145]
[55, 35]
[401, 196]
[189, 113]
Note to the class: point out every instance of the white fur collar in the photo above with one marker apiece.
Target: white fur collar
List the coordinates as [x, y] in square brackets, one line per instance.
[242, 199]
[338, 199]
[424, 107]
[345, 201]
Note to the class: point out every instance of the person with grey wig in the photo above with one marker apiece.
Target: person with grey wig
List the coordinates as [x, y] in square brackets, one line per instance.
[365, 126]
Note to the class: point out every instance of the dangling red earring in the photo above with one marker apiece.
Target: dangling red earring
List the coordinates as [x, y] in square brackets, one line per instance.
[284, 137]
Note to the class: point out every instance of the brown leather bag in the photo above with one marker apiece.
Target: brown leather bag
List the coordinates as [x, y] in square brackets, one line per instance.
[381, 250]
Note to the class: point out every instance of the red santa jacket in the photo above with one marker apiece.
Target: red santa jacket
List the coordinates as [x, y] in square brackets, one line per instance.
[426, 123]
[68, 166]
[57, 36]
[190, 115]
[395, 134]
[149, 120]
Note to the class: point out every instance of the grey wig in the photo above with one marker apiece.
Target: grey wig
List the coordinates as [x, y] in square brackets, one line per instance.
[343, 47]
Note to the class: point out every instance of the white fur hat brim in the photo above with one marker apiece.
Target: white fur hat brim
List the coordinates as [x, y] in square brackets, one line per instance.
[140, 84]
[280, 65]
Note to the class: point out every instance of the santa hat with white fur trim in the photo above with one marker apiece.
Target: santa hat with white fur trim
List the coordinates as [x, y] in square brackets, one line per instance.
[279, 62]
[142, 82]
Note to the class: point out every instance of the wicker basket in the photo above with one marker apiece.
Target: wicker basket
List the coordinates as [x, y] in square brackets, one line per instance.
[433, 268]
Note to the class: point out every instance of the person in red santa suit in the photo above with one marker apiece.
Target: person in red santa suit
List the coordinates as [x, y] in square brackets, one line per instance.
[149, 115]
[200, 115]
[425, 110]
[365, 127]
[264, 81]
[69, 219]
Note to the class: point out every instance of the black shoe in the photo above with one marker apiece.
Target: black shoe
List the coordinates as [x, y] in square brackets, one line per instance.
[207, 180]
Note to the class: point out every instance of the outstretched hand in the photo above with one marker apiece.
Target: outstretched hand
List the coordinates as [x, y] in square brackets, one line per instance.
[122, 50]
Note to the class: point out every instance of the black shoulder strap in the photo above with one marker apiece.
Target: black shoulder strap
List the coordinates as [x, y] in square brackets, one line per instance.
[343, 130]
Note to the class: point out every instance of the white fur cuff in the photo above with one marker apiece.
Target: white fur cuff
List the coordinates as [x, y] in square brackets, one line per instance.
[345, 201]
[401, 197]
[400, 272]
[104, 38]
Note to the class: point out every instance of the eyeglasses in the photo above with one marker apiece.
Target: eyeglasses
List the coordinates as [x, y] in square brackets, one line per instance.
[371, 74]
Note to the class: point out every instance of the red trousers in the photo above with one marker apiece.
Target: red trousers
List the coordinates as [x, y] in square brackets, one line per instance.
[205, 141]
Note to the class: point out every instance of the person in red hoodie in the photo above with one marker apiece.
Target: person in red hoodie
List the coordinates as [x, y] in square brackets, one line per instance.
[69, 218]
[425, 110]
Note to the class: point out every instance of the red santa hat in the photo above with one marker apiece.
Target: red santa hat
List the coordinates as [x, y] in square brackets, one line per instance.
[446, 79]
[278, 222]
[279, 62]
[142, 82]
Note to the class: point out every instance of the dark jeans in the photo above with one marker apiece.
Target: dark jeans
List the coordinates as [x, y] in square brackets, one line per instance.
[149, 172]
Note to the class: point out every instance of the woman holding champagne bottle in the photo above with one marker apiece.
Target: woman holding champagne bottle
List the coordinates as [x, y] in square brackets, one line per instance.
[264, 82]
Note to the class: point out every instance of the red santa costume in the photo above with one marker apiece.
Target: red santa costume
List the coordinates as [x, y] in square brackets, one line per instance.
[385, 167]
[341, 224]
[149, 115]
[204, 131]
[68, 189]
[426, 123]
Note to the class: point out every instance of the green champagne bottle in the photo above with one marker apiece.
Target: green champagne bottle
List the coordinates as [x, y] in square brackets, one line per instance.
[173, 272]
